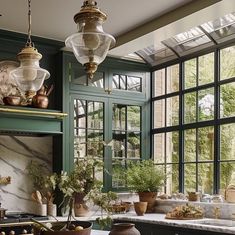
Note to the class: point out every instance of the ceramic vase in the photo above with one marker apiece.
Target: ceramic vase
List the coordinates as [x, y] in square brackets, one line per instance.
[140, 207]
[124, 229]
[80, 207]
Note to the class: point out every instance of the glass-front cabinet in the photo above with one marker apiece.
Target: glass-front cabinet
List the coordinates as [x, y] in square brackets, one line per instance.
[109, 118]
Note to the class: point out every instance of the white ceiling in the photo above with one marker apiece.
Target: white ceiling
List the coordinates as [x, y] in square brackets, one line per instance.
[54, 18]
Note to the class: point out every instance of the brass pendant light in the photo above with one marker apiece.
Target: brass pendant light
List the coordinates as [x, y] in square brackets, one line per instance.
[29, 76]
[90, 44]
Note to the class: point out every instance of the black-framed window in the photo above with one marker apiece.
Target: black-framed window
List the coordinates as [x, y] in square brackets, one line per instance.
[193, 129]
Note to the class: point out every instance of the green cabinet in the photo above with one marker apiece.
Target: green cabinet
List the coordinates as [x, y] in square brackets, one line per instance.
[109, 115]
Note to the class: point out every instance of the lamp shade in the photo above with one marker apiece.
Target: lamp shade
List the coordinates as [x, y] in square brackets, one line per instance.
[29, 76]
[90, 44]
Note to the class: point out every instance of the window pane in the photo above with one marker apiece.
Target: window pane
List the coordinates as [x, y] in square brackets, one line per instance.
[95, 115]
[190, 73]
[95, 143]
[119, 82]
[206, 143]
[227, 63]
[159, 113]
[133, 145]
[227, 100]
[205, 178]
[172, 183]
[118, 178]
[227, 175]
[172, 111]
[227, 142]
[190, 145]
[119, 147]
[173, 78]
[189, 177]
[134, 83]
[80, 113]
[206, 104]
[133, 118]
[159, 148]
[172, 147]
[119, 117]
[159, 86]
[190, 107]
[79, 77]
[206, 69]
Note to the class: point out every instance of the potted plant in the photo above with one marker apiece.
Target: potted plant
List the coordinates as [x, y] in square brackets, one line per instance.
[145, 178]
[79, 183]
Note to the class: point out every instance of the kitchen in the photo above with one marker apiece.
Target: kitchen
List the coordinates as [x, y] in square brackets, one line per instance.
[165, 121]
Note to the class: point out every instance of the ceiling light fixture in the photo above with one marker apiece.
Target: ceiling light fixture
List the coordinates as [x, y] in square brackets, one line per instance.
[91, 44]
[29, 76]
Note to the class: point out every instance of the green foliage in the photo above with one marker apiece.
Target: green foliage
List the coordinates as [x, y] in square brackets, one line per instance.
[82, 178]
[144, 176]
[104, 201]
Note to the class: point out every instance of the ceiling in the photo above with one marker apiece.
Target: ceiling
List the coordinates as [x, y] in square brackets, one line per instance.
[126, 19]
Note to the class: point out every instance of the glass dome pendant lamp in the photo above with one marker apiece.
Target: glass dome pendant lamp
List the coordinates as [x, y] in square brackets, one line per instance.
[90, 44]
[29, 76]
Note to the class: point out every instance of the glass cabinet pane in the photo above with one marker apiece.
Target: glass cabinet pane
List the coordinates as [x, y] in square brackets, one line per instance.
[126, 131]
[88, 128]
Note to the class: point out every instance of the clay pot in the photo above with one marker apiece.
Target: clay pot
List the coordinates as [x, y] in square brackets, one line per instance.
[80, 207]
[149, 197]
[140, 207]
[124, 229]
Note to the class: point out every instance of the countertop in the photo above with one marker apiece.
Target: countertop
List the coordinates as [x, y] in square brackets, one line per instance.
[160, 220]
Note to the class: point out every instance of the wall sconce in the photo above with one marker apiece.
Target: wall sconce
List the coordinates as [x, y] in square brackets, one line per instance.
[91, 44]
[29, 76]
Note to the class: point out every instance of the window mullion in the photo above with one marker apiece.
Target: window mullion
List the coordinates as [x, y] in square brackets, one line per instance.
[216, 130]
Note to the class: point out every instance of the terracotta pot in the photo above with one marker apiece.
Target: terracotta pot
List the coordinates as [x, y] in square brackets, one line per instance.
[140, 207]
[80, 207]
[149, 197]
[124, 229]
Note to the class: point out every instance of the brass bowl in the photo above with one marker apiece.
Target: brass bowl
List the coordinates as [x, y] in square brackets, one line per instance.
[12, 100]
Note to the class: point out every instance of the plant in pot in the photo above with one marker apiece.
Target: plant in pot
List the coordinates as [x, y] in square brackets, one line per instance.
[79, 183]
[145, 178]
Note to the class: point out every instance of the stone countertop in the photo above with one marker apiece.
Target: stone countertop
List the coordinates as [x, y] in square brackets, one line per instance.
[159, 219]
[189, 224]
[98, 232]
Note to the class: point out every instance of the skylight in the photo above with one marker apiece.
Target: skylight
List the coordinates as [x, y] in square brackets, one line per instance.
[197, 38]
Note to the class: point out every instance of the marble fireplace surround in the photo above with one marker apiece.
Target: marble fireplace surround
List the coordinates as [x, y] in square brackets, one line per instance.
[15, 154]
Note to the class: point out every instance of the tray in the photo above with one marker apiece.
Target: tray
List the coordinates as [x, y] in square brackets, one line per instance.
[182, 218]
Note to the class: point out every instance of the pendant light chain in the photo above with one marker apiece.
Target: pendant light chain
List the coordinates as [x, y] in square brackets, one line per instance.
[29, 42]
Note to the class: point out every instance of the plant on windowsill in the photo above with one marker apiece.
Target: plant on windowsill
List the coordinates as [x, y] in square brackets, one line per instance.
[145, 178]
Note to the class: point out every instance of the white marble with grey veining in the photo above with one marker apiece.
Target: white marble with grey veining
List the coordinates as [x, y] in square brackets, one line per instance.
[15, 154]
[160, 220]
